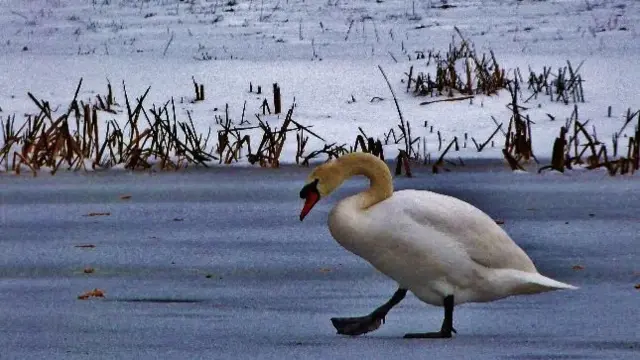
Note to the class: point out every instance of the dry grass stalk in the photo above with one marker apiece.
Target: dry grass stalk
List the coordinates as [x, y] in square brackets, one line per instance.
[301, 141]
[47, 142]
[370, 146]
[481, 147]
[161, 139]
[198, 89]
[331, 150]
[277, 101]
[564, 86]
[468, 97]
[402, 161]
[564, 159]
[404, 126]
[438, 164]
[481, 74]
[43, 141]
[517, 146]
[389, 135]
[232, 142]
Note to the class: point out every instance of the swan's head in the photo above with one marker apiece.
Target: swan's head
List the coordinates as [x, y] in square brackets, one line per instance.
[322, 181]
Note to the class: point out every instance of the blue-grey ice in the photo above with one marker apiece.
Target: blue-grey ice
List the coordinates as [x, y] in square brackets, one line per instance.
[215, 264]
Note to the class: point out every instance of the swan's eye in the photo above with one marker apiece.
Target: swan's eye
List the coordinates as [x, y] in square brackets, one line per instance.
[311, 187]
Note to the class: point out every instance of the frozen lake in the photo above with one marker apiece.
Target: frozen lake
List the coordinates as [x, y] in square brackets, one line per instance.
[215, 264]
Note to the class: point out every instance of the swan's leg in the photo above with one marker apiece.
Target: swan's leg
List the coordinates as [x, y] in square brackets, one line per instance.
[447, 324]
[364, 324]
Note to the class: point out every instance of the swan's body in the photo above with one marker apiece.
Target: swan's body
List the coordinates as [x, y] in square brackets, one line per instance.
[436, 245]
[442, 249]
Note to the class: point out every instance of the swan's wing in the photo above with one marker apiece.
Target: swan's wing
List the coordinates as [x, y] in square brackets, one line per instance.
[472, 230]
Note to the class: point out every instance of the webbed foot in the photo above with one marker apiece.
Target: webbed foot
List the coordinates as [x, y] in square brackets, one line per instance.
[446, 329]
[442, 334]
[357, 325]
[361, 325]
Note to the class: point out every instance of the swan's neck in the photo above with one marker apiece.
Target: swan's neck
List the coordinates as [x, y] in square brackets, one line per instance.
[346, 221]
[381, 185]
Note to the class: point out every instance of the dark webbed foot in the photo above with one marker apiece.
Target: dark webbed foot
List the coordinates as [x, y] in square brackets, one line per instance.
[357, 325]
[364, 324]
[447, 325]
[442, 334]
[430, 335]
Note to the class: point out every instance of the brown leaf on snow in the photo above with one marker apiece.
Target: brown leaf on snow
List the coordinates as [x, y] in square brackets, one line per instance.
[85, 246]
[577, 267]
[637, 286]
[91, 293]
[98, 214]
[88, 270]
[125, 197]
[325, 270]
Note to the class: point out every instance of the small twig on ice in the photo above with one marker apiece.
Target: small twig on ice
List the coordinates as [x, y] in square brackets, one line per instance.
[164, 53]
[448, 99]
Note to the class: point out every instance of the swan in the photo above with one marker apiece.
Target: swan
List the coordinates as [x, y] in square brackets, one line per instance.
[444, 250]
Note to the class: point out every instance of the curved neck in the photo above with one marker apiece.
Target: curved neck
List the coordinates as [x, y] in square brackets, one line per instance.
[376, 170]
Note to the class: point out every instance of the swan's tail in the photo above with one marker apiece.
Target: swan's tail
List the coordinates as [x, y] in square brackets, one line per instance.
[522, 282]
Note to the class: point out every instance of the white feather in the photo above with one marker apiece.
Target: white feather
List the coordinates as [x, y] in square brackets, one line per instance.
[436, 245]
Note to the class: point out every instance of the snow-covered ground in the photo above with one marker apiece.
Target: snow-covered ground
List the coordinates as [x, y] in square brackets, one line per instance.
[324, 55]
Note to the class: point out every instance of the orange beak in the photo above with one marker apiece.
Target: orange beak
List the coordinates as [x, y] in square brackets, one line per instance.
[311, 196]
[311, 199]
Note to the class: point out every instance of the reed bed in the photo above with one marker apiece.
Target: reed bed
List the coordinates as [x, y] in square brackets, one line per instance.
[86, 136]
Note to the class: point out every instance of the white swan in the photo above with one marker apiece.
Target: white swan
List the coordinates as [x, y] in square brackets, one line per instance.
[440, 248]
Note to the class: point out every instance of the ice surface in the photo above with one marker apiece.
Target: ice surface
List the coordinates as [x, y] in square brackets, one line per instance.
[274, 282]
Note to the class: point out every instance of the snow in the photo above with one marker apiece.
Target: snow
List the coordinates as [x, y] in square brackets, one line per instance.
[56, 42]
